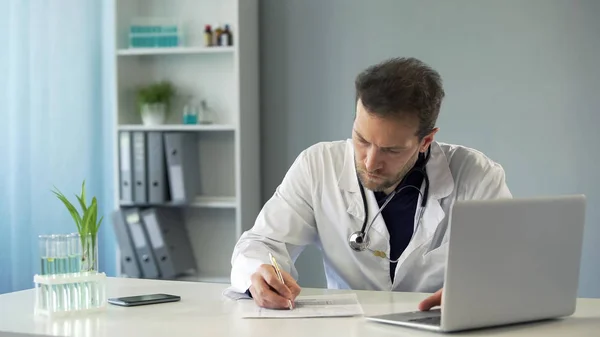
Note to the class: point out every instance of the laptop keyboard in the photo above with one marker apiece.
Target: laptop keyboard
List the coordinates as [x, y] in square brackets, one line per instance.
[433, 320]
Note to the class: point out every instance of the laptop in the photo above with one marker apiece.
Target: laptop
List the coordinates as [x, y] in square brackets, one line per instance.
[509, 261]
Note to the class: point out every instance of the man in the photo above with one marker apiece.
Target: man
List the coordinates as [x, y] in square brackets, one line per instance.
[334, 189]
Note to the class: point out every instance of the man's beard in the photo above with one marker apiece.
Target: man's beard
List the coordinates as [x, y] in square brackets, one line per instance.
[388, 183]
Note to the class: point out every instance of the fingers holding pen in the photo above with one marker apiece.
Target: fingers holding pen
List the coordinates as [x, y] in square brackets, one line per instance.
[269, 292]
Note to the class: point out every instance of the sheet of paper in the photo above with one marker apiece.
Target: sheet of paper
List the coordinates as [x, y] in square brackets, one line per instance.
[309, 306]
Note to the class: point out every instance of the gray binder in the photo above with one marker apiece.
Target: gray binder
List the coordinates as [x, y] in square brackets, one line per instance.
[183, 167]
[141, 243]
[157, 170]
[139, 168]
[169, 240]
[129, 262]
[125, 174]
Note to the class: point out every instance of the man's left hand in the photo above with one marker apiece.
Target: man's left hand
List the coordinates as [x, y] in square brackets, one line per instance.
[431, 301]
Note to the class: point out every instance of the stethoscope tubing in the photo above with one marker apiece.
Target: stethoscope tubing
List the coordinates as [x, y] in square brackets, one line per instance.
[366, 226]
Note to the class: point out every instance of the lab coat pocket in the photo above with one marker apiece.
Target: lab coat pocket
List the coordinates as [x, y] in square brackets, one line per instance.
[435, 264]
[426, 270]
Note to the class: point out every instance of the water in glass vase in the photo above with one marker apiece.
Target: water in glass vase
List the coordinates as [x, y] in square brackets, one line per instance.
[74, 263]
[89, 257]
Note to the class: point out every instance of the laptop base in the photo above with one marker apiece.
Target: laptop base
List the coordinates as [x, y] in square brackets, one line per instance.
[428, 320]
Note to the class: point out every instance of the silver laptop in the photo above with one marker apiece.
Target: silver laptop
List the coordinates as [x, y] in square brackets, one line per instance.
[509, 261]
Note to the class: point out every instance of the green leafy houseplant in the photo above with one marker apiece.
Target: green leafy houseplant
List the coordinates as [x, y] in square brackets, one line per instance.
[88, 225]
[154, 102]
[156, 93]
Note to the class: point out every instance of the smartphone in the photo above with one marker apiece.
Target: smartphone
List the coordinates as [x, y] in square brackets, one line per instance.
[143, 299]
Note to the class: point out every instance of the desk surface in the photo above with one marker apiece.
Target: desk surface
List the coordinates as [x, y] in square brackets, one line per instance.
[203, 311]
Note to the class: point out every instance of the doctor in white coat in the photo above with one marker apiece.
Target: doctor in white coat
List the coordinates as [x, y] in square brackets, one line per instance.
[392, 157]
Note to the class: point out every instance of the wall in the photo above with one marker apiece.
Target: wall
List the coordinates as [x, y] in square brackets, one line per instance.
[520, 79]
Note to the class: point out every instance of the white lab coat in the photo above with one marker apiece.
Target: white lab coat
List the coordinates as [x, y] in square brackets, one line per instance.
[319, 202]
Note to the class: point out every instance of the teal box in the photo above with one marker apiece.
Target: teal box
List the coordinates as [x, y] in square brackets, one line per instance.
[149, 36]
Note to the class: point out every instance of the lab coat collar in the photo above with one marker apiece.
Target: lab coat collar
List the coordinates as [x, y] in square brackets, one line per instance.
[348, 180]
[438, 171]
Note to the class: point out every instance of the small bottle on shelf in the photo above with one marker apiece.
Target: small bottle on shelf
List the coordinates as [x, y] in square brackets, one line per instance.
[217, 36]
[226, 38]
[190, 113]
[208, 36]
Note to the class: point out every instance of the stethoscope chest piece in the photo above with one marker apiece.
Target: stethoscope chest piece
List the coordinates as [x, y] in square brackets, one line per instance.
[358, 241]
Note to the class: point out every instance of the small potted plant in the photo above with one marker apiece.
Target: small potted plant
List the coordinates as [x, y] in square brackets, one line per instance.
[88, 225]
[154, 101]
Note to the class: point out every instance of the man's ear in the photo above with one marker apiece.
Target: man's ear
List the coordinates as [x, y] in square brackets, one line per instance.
[427, 140]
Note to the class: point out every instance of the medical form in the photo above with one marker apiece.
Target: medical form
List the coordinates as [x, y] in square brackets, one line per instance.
[337, 305]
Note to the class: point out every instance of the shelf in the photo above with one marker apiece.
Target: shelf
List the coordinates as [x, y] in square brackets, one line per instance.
[177, 127]
[199, 202]
[215, 202]
[205, 278]
[174, 51]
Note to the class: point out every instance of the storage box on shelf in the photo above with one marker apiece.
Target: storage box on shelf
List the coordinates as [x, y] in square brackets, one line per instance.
[155, 32]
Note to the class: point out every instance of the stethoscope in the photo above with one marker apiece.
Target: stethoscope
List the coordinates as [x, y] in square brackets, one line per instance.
[359, 241]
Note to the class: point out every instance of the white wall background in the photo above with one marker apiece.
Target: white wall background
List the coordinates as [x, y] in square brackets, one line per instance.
[521, 80]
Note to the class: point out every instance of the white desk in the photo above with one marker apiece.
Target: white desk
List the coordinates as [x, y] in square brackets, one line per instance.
[203, 311]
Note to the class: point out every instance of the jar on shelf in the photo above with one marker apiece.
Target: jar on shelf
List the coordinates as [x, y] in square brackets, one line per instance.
[206, 115]
[190, 113]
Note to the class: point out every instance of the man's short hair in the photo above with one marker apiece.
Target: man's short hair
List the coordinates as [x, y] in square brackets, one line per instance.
[402, 87]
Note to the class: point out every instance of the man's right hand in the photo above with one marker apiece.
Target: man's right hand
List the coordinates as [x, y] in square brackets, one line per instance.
[268, 292]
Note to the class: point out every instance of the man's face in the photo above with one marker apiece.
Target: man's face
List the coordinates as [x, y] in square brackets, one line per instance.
[385, 149]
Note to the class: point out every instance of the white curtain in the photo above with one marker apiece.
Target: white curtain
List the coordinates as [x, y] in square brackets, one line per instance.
[55, 126]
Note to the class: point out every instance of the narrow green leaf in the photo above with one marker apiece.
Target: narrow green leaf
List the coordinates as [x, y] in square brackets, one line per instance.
[82, 204]
[94, 215]
[72, 210]
[99, 223]
[86, 221]
[83, 192]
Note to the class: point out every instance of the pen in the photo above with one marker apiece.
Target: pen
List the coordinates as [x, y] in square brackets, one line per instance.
[278, 272]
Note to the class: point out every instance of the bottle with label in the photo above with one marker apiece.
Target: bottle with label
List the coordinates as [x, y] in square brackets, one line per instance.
[226, 38]
[217, 36]
[208, 36]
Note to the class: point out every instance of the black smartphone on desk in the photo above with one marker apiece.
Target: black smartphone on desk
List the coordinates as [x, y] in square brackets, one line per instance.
[131, 301]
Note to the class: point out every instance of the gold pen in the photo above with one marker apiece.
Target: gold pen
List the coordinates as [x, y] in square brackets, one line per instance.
[279, 275]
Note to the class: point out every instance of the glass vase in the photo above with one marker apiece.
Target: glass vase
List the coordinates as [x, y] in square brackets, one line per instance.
[206, 114]
[89, 253]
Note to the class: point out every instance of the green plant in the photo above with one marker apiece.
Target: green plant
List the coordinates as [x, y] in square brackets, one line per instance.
[160, 92]
[87, 223]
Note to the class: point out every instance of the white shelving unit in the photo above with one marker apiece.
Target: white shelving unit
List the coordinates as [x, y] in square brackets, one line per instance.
[227, 78]
[177, 127]
[209, 202]
[175, 50]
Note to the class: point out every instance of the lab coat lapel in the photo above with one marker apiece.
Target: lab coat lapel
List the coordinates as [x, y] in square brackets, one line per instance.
[348, 182]
[355, 205]
[441, 185]
[379, 225]
[432, 216]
